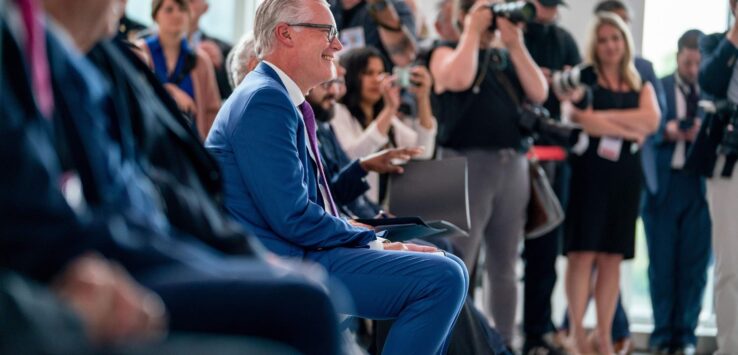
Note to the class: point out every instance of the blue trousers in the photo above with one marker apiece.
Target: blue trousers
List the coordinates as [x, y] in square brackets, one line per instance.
[248, 297]
[422, 292]
[678, 234]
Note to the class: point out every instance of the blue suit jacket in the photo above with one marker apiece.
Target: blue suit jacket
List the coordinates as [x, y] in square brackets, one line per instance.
[664, 149]
[258, 138]
[648, 153]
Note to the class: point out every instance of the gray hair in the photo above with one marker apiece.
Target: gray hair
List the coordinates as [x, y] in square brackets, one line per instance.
[238, 59]
[269, 14]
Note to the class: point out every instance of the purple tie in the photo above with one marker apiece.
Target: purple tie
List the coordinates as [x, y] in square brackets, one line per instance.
[309, 117]
[36, 55]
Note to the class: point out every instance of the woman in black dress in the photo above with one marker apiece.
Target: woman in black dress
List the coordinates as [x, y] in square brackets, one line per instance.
[606, 179]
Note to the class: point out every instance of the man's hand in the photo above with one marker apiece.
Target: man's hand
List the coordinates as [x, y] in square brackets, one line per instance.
[673, 133]
[479, 18]
[354, 223]
[511, 34]
[692, 133]
[383, 162]
[112, 306]
[397, 246]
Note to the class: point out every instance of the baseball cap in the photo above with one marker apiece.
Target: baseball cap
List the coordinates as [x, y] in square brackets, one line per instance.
[552, 3]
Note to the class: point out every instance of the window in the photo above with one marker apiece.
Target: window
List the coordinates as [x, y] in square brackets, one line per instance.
[666, 20]
[225, 19]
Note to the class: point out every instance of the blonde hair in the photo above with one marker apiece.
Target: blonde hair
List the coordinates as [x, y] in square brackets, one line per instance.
[627, 67]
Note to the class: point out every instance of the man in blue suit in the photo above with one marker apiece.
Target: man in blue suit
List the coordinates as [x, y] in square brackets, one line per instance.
[264, 139]
[676, 218]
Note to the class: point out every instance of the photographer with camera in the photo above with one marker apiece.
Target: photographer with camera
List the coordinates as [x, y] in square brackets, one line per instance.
[553, 49]
[480, 85]
[713, 155]
[676, 218]
[606, 179]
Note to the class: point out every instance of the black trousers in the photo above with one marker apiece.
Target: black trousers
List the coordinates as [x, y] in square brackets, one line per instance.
[540, 262]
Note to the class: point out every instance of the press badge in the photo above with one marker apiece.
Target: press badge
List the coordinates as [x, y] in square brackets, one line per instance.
[353, 38]
[609, 148]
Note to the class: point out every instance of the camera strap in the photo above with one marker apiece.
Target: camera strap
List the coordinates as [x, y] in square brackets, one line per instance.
[507, 85]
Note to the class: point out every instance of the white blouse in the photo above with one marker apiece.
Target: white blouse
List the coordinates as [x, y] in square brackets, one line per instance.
[359, 142]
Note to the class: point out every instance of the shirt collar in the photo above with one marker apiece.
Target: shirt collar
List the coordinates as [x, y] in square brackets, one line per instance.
[296, 96]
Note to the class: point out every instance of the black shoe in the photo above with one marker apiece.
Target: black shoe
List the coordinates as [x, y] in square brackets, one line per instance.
[540, 347]
[660, 350]
[688, 349]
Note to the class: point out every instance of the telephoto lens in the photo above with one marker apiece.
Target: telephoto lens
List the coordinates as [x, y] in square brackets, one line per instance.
[568, 80]
[583, 75]
[515, 12]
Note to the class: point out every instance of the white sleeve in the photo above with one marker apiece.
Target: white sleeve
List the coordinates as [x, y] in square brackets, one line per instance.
[357, 142]
[409, 133]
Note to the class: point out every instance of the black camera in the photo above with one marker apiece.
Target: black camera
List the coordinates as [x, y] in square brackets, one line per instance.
[727, 114]
[566, 81]
[686, 123]
[535, 121]
[515, 12]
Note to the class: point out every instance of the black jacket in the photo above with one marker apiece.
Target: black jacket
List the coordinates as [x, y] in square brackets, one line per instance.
[716, 70]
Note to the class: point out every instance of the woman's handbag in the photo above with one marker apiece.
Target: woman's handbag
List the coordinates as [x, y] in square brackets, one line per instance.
[544, 209]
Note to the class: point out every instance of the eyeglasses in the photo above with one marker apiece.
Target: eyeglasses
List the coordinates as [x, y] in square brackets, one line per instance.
[327, 84]
[331, 31]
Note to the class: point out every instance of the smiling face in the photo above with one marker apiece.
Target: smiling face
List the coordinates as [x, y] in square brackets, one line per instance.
[610, 45]
[173, 17]
[314, 50]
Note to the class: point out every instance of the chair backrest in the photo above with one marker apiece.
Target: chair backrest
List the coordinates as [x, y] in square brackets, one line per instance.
[432, 190]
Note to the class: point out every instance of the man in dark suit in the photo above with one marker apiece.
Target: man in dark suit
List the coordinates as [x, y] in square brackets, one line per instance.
[70, 186]
[676, 217]
[264, 139]
[714, 156]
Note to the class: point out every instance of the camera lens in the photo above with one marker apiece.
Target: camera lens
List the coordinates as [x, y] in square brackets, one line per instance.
[515, 12]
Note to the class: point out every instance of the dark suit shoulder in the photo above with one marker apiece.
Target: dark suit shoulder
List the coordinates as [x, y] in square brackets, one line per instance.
[709, 43]
[668, 80]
